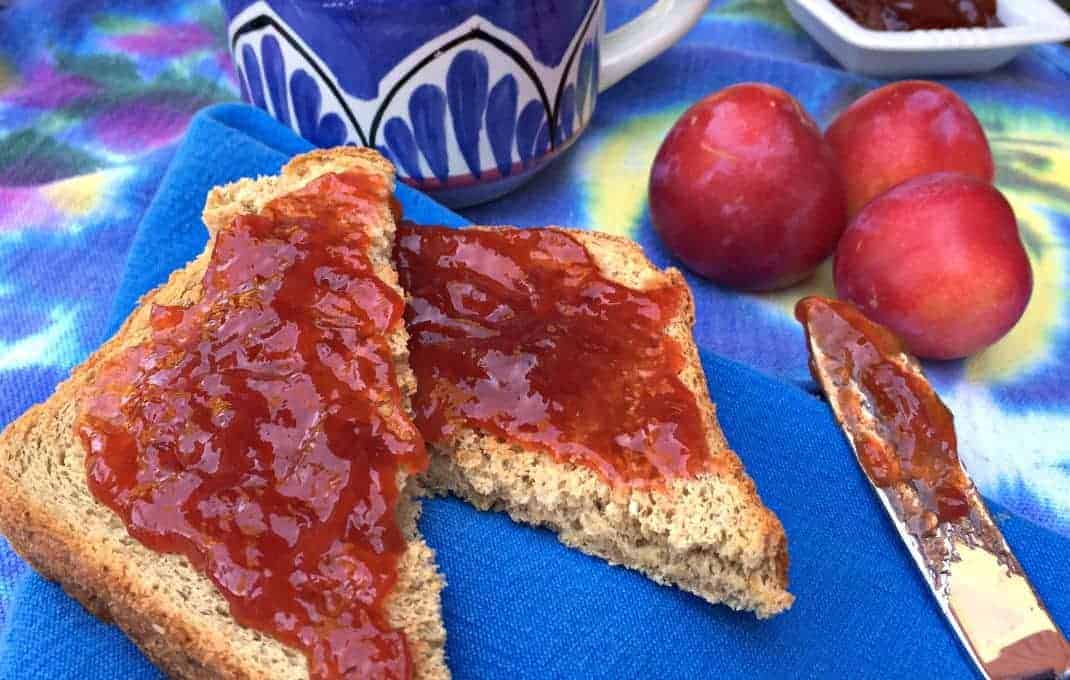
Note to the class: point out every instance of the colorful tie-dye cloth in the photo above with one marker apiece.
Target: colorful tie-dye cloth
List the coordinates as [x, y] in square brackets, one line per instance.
[94, 95]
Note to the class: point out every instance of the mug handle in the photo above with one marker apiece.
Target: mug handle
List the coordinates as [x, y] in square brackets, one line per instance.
[645, 37]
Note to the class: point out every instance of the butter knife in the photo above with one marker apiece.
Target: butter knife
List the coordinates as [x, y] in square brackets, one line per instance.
[903, 438]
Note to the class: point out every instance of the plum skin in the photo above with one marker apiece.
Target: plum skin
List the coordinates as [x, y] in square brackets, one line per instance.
[904, 130]
[744, 189]
[939, 260]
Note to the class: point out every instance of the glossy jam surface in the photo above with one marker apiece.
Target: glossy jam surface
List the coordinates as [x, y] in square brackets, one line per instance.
[917, 433]
[518, 333]
[912, 15]
[260, 431]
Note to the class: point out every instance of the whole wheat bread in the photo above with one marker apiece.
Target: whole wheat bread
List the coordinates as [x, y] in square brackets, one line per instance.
[170, 610]
[710, 535]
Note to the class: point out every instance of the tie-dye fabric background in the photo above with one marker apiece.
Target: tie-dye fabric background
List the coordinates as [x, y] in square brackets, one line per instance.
[94, 95]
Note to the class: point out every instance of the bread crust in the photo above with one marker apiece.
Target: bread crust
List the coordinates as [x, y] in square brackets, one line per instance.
[173, 613]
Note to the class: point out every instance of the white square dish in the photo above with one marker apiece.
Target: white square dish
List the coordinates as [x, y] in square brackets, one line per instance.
[931, 52]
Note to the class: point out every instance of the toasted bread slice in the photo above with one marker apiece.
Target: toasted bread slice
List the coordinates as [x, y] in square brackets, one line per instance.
[170, 610]
[710, 535]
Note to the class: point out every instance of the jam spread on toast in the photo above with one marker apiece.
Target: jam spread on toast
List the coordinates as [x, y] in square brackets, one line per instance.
[517, 333]
[260, 431]
[912, 15]
[916, 441]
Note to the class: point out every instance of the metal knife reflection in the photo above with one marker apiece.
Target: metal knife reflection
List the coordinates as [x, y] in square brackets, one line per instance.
[904, 439]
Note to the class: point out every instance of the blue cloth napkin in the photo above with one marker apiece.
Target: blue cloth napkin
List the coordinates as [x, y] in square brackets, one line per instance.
[518, 604]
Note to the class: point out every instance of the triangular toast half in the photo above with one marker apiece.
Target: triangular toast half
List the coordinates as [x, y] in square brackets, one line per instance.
[168, 608]
[708, 533]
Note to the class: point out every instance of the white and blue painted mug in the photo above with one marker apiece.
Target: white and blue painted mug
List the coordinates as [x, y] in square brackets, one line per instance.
[469, 98]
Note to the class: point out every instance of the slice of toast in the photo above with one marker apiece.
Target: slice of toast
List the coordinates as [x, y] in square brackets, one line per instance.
[170, 610]
[710, 535]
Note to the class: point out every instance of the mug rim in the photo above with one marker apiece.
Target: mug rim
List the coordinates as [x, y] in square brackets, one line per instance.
[391, 5]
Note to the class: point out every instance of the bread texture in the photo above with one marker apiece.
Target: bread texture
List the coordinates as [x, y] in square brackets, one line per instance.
[170, 610]
[710, 535]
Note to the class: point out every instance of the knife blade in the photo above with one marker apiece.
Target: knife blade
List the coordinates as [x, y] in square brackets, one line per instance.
[903, 438]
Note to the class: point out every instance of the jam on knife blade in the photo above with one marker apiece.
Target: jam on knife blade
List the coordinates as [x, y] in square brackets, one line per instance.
[904, 439]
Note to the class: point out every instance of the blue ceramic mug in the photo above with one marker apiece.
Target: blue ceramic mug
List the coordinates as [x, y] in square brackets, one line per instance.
[469, 98]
